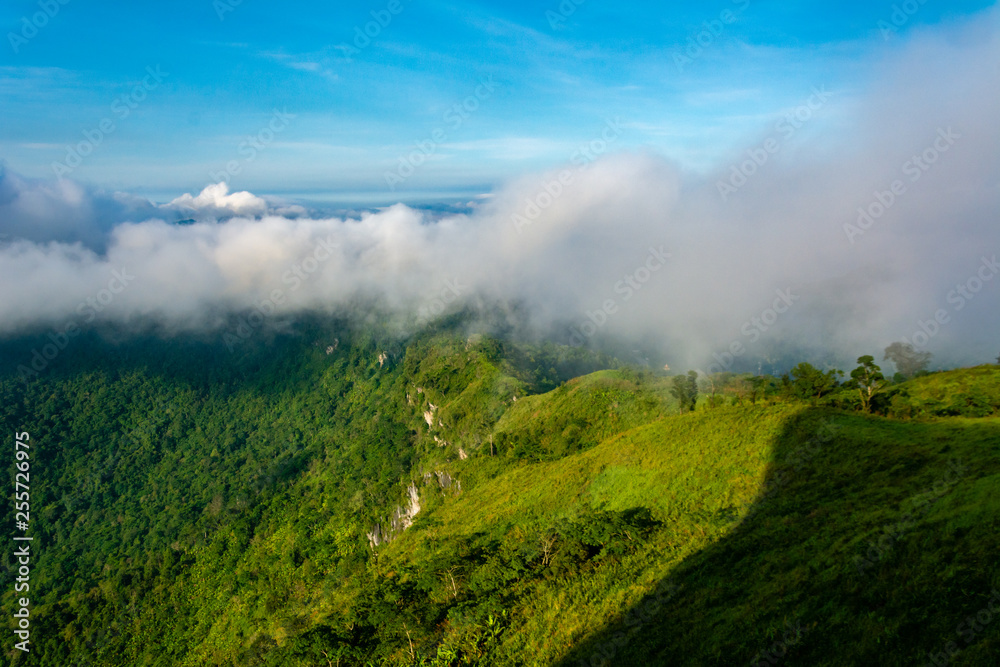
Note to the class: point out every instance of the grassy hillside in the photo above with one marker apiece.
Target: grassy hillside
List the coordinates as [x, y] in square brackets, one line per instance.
[762, 521]
[869, 548]
[763, 526]
[198, 507]
[581, 413]
[663, 494]
[969, 392]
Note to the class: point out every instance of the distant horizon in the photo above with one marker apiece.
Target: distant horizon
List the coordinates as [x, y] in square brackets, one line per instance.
[349, 200]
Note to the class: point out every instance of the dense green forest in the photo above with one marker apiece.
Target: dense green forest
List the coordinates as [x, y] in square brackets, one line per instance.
[196, 503]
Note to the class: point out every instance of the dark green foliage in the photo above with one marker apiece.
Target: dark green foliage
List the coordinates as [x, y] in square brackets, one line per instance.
[180, 457]
[808, 382]
[177, 477]
[685, 391]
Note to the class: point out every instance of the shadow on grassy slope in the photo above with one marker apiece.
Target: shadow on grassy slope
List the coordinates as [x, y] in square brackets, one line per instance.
[872, 543]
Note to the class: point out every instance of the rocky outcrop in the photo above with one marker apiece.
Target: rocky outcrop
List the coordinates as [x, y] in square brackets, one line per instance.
[402, 518]
[444, 480]
[429, 414]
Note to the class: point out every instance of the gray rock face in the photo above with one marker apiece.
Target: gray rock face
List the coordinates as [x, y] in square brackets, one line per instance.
[443, 479]
[400, 520]
[402, 517]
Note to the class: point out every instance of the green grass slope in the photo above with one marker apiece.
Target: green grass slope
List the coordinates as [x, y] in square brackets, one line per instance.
[872, 547]
[581, 413]
[664, 493]
[829, 537]
[968, 392]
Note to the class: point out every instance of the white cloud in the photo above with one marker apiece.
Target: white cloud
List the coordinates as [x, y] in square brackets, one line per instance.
[215, 201]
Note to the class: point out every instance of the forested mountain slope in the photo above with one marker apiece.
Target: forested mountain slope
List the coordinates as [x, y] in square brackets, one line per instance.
[193, 505]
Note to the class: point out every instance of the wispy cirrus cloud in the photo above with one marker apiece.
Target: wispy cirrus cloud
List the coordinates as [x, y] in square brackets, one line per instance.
[321, 64]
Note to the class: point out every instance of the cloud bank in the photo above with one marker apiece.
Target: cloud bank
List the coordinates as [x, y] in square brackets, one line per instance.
[849, 224]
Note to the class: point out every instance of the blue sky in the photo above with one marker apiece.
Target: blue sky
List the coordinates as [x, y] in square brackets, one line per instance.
[548, 80]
